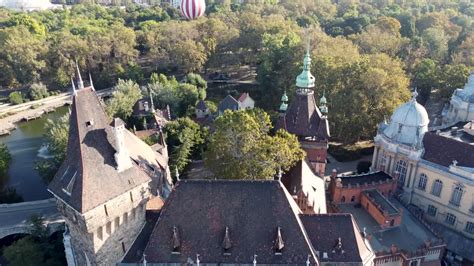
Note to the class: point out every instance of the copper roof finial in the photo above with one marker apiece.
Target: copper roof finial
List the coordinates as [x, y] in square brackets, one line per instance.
[227, 244]
[279, 244]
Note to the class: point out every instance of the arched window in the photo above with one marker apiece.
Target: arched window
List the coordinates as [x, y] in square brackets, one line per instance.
[353, 198]
[437, 187]
[401, 169]
[456, 196]
[422, 182]
[343, 199]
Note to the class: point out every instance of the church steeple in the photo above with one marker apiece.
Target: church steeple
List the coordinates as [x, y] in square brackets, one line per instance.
[305, 80]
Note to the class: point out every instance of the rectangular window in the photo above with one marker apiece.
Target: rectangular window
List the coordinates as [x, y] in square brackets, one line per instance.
[108, 228]
[469, 227]
[432, 210]
[450, 219]
[105, 209]
[99, 232]
[117, 222]
[125, 218]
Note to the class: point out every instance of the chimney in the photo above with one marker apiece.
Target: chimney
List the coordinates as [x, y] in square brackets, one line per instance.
[122, 158]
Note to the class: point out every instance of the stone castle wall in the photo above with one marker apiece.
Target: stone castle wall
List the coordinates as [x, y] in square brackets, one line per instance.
[103, 235]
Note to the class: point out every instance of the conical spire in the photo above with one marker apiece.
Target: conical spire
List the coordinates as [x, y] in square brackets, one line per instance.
[90, 81]
[74, 92]
[80, 84]
[305, 80]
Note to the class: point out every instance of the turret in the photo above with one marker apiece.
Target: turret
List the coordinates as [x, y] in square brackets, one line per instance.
[284, 103]
[323, 105]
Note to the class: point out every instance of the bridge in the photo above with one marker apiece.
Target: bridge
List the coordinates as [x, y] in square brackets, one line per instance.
[14, 218]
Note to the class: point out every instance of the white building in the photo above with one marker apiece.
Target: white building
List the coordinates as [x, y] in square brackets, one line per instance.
[461, 105]
[27, 5]
[435, 169]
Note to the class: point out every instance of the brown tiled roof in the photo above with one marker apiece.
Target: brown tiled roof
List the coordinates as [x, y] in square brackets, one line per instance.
[443, 150]
[325, 229]
[88, 176]
[304, 119]
[252, 210]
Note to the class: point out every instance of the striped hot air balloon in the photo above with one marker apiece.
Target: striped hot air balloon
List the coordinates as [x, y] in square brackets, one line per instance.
[192, 9]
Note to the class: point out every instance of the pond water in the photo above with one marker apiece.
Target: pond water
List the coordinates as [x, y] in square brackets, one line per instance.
[26, 147]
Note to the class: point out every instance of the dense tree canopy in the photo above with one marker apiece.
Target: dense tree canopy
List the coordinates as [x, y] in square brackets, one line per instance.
[424, 41]
[126, 94]
[241, 147]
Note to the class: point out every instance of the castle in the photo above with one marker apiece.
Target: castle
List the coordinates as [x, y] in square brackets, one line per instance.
[103, 187]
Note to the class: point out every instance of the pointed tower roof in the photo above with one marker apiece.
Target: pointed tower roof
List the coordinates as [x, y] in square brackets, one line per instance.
[303, 117]
[88, 176]
[305, 80]
[74, 92]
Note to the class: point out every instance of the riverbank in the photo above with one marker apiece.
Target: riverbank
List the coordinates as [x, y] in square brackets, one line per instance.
[12, 114]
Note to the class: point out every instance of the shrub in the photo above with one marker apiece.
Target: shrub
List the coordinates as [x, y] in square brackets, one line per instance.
[15, 97]
[38, 91]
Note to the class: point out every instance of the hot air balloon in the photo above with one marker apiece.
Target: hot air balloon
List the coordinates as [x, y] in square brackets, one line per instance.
[192, 9]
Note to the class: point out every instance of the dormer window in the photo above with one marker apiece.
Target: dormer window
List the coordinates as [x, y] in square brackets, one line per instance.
[226, 243]
[279, 244]
[90, 123]
[176, 242]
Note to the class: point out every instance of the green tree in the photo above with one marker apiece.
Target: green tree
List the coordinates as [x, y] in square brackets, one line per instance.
[38, 91]
[24, 252]
[241, 148]
[124, 97]
[5, 159]
[185, 139]
[15, 97]
[181, 97]
[57, 133]
[425, 77]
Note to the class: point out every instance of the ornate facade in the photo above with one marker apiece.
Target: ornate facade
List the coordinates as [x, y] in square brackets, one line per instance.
[461, 105]
[435, 169]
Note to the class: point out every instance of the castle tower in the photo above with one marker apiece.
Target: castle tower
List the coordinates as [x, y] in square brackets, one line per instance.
[304, 119]
[104, 183]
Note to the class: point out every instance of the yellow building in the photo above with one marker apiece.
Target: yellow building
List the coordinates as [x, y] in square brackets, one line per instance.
[435, 169]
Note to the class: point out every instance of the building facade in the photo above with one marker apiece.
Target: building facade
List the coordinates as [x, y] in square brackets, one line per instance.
[435, 169]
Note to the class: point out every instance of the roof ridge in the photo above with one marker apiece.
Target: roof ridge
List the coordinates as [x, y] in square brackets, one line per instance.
[81, 161]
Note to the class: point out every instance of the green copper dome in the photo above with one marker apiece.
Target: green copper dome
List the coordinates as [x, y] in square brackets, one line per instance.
[284, 98]
[305, 79]
[283, 107]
